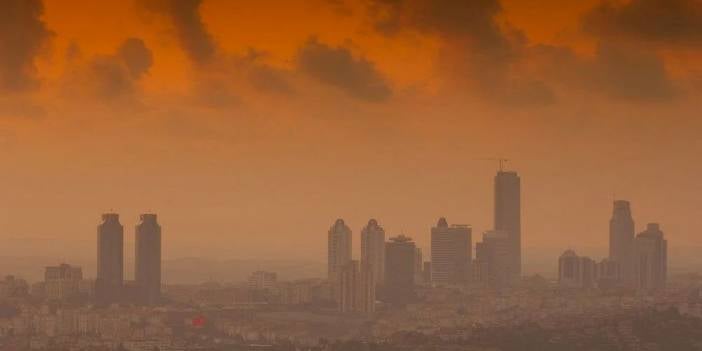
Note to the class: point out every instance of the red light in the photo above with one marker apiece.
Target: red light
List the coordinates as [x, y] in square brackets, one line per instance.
[199, 321]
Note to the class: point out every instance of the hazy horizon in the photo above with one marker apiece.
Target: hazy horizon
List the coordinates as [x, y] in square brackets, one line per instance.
[249, 140]
[277, 165]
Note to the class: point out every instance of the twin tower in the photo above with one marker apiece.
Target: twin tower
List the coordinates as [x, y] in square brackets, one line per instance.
[110, 285]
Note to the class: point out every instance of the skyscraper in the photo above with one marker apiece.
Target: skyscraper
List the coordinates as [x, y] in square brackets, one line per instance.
[418, 266]
[576, 271]
[508, 216]
[147, 269]
[607, 273]
[493, 259]
[450, 253]
[347, 280]
[621, 240]
[367, 290]
[373, 249]
[110, 259]
[355, 288]
[400, 269]
[338, 248]
[650, 259]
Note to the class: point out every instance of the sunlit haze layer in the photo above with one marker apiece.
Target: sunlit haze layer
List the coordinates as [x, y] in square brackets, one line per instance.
[251, 126]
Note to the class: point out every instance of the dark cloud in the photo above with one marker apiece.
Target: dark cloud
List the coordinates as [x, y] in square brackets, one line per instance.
[336, 66]
[261, 75]
[627, 73]
[215, 92]
[496, 61]
[136, 56]
[476, 53]
[110, 77]
[191, 31]
[474, 20]
[114, 76]
[386, 15]
[627, 64]
[658, 21]
[268, 79]
[23, 36]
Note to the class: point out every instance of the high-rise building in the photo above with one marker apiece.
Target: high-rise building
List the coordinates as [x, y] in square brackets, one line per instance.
[147, 267]
[373, 249]
[426, 273]
[418, 266]
[493, 259]
[110, 259]
[651, 259]
[576, 271]
[62, 281]
[12, 287]
[367, 290]
[262, 280]
[295, 292]
[607, 272]
[450, 253]
[355, 289]
[621, 240]
[508, 216]
[347, 280]
[400, 269]
[338, 249]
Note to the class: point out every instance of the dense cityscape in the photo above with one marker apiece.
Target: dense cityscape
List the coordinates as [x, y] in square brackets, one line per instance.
[462, 296]
[330, 175]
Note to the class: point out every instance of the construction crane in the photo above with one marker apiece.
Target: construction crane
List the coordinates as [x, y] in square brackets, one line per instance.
[500, 161]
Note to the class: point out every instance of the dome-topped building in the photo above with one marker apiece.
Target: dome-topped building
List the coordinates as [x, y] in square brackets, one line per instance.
[338, 249]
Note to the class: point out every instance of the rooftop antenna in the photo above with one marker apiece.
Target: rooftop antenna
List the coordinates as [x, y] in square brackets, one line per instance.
[501, 162]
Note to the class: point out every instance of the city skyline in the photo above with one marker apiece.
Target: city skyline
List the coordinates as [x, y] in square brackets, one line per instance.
[423, 241]
[222, 142]
[335, 175]
[455, 258]
[391, 270]
[356, 249]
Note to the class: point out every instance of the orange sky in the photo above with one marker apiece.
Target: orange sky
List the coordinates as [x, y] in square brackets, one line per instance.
[250, 126]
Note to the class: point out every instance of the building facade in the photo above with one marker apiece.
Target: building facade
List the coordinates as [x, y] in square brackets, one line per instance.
[576, 272]
[147, 268]
[419, 266]
[262, 280]
[373, 249]
[367, 290]
[450, 253]
[62, 282]
[508, 216]
[110, 259]
[400, 266]
[650, 259]
[355, 289]
[621, 241]
[338, 249]
[608, 274]
[493, 260]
